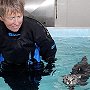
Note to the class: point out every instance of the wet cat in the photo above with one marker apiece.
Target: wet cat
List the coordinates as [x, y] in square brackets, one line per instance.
[79, 75]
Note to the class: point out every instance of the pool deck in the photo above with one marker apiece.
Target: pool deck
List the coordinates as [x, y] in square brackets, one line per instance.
[69, 32]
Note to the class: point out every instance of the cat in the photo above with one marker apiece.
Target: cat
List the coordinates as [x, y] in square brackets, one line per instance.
[79, 75]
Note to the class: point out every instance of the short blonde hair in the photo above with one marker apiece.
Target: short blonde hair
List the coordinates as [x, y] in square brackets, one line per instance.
[12, 5]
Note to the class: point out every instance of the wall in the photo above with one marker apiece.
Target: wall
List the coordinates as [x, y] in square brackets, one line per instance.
[42, 10]
[73, 13]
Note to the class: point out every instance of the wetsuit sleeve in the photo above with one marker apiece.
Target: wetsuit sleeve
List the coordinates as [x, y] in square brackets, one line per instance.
[1, 41]
[44, 40]
[1, 36]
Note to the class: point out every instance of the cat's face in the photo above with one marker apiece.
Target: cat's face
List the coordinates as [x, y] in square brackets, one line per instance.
[71, 80]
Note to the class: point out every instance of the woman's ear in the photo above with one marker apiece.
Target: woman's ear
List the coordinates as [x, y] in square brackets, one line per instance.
[1, 18]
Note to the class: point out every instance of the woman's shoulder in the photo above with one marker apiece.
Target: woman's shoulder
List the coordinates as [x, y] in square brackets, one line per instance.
[32, 21]
[26, 18]
[1, 23]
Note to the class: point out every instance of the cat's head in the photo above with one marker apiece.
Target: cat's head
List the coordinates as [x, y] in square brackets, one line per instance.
[71, 79]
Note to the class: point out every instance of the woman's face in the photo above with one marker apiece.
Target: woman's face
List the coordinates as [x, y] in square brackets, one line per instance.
[13, 20]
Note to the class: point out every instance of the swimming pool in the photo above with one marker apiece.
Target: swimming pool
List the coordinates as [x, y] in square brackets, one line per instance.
[70, 51]
[72, 45]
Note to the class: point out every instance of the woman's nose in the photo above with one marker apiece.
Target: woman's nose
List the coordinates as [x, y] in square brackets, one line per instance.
[16, 21]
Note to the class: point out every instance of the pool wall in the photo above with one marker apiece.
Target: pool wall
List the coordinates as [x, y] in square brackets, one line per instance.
[69, 32]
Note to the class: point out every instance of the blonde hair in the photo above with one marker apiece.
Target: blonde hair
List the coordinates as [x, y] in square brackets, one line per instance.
[12, 5]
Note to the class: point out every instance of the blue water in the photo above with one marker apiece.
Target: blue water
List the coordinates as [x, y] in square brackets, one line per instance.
[70, 50]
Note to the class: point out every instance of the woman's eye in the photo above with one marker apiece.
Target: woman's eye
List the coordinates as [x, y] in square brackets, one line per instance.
[11, 18]
[19, 16]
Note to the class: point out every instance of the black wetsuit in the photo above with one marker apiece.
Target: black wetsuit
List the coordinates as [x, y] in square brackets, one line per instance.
[15, 47]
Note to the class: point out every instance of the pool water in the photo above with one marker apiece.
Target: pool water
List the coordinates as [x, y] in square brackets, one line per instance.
[70, 50]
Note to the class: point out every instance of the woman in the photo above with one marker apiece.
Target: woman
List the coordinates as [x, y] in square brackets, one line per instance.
[22, 38]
